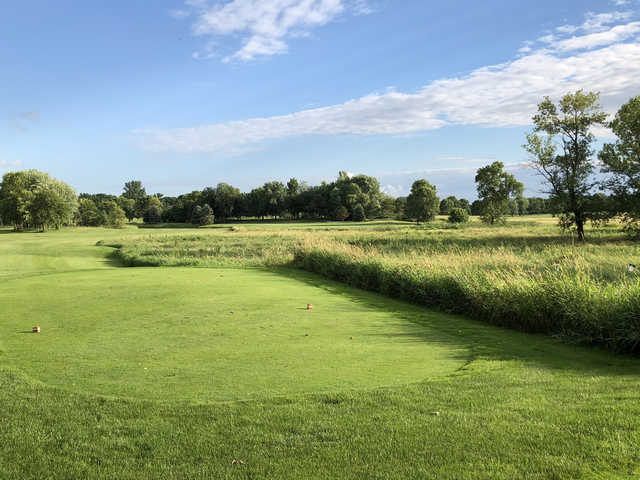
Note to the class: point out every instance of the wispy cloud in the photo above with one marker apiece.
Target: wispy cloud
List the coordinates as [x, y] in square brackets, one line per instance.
[264, 26]
[22, 121]
[503, 95]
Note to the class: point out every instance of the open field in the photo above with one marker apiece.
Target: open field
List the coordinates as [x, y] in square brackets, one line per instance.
[176, 372]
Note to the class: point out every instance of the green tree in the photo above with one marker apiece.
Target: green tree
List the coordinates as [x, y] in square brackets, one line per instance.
[136, 192]
[53, 204]
[33, 199]
[225, 200]
[128, 205]
[523, 205]
[341, 213]
[495, 188]
[152, 212]
[567, 126]
[464, 203]
[202, 215]
[358, 214]
[400, 208]
[16, 193]
[423, 203]
[622, 160]
[458, 215]
[447, 204]
[115, 216]
[88, 214]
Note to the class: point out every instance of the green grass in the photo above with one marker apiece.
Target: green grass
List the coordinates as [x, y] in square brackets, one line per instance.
[77, 402]
[204, 335]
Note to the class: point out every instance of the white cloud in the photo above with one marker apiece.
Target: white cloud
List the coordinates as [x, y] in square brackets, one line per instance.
[504, 95]
[264, 26]
[616, 34]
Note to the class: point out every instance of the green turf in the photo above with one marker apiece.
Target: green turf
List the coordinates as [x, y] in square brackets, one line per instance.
[77, 402]
[215, 334]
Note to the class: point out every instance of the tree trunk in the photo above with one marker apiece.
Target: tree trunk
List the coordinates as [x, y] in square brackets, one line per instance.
[580, 228]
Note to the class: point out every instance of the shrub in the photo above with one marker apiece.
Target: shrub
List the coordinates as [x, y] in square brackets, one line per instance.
[458, 215]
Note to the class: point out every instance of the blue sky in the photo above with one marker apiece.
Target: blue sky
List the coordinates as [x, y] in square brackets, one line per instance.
[183, 95]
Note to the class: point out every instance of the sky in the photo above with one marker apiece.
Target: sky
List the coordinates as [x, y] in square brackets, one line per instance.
[187, 94]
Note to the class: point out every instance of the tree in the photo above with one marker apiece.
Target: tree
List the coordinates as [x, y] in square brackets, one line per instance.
[53, 204]
[464, 203]
[447, 204]
[458, 215]
[16, 193]
[358, 214]
[523, 205]
[400, 208]
[341, 213]
[476, 208]
[567, 126]
[225, 200]
[152, 212]
[128, 205]
[115, 216]
[88, 214]
[33, 199]
[135, 191]
[387, 206]
[423, 203]
[202, 215]
[495, 188]
[622, 160]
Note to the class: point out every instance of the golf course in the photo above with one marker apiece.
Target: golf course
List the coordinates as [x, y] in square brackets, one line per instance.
[216, 367]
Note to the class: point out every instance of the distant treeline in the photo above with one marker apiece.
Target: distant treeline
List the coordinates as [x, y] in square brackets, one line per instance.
[356, 198]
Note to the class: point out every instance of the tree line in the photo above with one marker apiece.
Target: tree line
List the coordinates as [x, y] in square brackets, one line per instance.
[560, 147]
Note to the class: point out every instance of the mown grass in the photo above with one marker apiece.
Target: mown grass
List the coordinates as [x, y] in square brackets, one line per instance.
[509, 405]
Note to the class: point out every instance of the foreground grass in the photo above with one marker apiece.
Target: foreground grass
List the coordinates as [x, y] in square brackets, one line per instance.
[510, 405]
[200, 335]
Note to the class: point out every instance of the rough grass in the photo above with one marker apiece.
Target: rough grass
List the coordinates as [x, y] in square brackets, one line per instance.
[518, 406]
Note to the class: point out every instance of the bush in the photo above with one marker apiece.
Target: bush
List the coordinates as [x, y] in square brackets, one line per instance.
[458, 215]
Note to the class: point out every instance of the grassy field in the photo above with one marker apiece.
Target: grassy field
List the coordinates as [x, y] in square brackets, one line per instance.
[220, 372]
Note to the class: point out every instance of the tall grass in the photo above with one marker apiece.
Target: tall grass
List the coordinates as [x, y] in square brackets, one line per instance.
[546, 288]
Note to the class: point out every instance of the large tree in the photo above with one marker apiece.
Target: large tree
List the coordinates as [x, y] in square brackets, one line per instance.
[33, 199]
[622, 160]
[423, 203]
[225, 200]
[54, 204]
[563, 155]
[135, 191]
[495, 189]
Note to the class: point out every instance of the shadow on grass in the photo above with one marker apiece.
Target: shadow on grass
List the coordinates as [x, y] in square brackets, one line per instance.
[482, 341]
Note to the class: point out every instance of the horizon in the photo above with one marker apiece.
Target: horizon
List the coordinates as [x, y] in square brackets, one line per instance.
[185, 95]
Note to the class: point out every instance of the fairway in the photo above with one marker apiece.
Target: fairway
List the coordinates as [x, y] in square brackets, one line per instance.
[214, 334]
